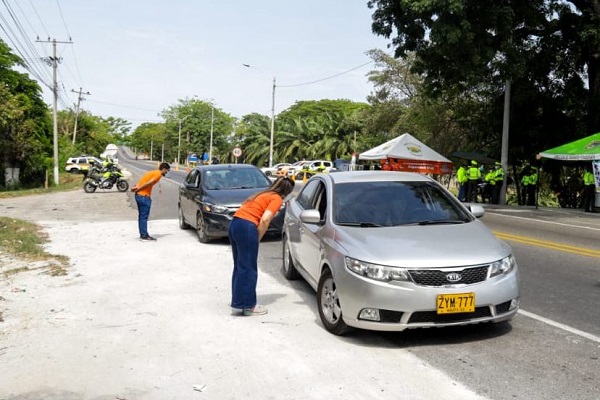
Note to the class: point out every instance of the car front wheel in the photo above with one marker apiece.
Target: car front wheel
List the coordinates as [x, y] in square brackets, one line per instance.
[330, 310]
[289, 269]
[201, 229]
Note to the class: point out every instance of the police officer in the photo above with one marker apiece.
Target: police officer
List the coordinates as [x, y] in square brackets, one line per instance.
[532, 188]
[473, 176]
[490, 184]
[461, 179]
[498, 182]
[589, 190]
[525, 184]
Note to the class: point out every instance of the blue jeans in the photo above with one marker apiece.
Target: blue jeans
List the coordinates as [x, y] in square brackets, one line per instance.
[143, 203]
[243, 236]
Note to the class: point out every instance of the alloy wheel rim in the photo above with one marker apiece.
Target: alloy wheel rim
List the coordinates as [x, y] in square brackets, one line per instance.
[329, 302]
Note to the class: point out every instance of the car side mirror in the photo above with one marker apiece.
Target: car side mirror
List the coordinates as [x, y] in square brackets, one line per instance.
[311, 216]
[476, 210]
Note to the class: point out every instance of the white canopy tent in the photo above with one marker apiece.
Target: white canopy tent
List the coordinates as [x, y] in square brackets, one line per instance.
[406, 153]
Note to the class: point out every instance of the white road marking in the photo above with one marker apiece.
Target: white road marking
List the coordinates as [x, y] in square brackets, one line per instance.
[560, 326]
[545, 222]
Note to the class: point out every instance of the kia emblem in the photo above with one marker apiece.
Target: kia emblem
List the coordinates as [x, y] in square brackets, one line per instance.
[453, 277]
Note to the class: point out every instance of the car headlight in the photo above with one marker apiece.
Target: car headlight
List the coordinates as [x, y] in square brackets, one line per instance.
[503, 266]
[377, 272]
[214, 208]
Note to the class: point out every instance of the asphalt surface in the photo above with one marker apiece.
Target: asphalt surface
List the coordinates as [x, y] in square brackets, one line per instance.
[151, 320]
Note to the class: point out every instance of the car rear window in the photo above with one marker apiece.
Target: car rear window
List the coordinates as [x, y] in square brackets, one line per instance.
[235, 178]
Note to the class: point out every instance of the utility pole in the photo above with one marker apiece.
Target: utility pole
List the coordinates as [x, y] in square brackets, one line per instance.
[212, 124]
[272, 125]
[53, 62]
[79, 100]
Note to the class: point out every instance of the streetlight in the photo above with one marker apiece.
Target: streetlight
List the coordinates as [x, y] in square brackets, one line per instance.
[179, 140]
[212, 124]
[272, 114]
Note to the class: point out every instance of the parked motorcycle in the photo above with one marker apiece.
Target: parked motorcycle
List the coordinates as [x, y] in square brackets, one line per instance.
[105, 178]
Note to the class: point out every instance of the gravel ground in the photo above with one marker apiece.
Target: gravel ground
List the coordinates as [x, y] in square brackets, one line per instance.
[151, 320]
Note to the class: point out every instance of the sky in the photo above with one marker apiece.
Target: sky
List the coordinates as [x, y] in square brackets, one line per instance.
[137, 58]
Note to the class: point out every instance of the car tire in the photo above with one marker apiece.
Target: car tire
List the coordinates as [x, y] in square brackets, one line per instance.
[268, 173]
[329, 306]
[73, 171]
[182, 223]
[289, 269]
[201, 229]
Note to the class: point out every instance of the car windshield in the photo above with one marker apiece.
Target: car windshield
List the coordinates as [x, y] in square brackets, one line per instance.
[235, 178]
[387, 203]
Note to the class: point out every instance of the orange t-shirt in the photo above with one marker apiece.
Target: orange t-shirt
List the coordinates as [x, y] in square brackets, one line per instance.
[147, 177]
[253, 210]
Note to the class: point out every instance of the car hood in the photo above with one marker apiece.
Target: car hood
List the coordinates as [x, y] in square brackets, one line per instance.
[429, 246]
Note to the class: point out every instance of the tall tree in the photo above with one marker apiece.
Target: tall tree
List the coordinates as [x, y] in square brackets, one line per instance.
[547, 47]
[197, 118]
[25, 145]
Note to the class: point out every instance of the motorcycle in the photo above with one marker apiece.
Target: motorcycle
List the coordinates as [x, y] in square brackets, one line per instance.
[105, 178]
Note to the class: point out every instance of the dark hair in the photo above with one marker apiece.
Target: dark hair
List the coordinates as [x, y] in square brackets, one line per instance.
[282, 186]
[164, 166]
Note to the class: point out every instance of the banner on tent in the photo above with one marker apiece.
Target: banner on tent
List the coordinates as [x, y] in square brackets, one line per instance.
[422, 167]
[596, 165]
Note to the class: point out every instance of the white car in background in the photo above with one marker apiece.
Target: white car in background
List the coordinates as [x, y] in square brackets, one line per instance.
[272, 171]
[297, 167]
[321, 166]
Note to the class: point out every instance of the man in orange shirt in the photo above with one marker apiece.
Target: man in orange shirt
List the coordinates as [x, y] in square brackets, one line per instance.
[249, 225]
[143, 197]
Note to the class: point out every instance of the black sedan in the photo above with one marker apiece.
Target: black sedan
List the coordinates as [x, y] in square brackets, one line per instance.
[211, 194]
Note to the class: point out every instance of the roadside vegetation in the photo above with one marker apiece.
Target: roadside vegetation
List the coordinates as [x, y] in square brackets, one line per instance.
[449, 69]
[67, 182]
[22, 242]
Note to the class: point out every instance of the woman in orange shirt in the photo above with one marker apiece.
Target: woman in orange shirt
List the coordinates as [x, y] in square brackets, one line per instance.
[247, 228]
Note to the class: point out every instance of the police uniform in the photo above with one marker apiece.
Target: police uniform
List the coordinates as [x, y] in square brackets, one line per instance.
[473, 176]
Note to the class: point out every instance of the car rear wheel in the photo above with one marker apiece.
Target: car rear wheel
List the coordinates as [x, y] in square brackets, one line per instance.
[182, 223]
[289, 269]
[201, 229]
[328, 302]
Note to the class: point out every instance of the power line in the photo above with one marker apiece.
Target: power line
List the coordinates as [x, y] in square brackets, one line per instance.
[23, 47]
[63, 19]
[327, 78]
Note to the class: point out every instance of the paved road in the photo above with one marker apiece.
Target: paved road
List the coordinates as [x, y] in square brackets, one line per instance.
[137, 320]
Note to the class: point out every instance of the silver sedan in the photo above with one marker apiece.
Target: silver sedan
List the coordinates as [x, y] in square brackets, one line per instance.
[392, 250]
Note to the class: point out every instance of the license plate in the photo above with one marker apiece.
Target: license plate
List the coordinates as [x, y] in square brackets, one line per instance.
[455, 303]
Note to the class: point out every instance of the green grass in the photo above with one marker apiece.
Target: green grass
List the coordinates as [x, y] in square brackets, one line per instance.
[24, 240]
[67, 182]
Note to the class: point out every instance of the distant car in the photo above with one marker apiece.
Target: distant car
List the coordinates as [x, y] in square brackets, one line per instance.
[320, 166]
[296, 167]
[76, 165]
[211, 194]
[390, 251]
[272, 171]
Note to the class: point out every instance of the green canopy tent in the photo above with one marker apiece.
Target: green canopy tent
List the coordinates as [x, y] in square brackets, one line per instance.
[586, 149]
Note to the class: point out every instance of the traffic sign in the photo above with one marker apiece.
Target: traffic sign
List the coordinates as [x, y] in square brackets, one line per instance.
[237, 152]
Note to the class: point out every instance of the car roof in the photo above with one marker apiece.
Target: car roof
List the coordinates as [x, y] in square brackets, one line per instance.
[375, 176]
[220, 167]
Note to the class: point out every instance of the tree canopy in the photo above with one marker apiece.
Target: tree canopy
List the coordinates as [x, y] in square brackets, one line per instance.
[549, 49]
